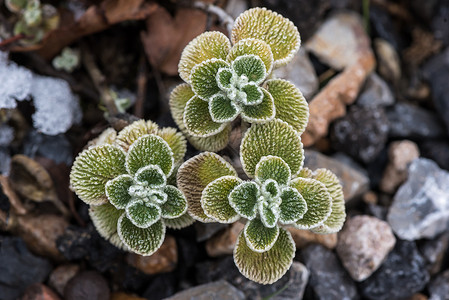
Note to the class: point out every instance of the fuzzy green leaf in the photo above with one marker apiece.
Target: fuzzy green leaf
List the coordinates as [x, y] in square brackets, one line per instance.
[260, 113]
[143, 241]
[150, 150]
[244, 199]
[176, 204]
[198, 120]
[151, 176]
[203, 78]
[224, 77]
[293, 206]
[306, 173]
[222, 109]
[338, 215]
[250, 66]
[270, 189]
[258, 237]
[275, 138]
[176, 141]
[254, 94]
[117, 191]
[266, 267]
[278, 32]
[195, 174]
[214, 199]
[318, 201]
[291, 106]
[273, 167]
[256, 47]
[92, 169]
[269, 212]
[105, 218]
[143, 214]
[208, 45]
[179, 222]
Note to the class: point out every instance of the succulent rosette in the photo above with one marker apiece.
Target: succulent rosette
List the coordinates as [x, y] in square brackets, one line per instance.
[124, 178]
[225, 80]
[281, 193]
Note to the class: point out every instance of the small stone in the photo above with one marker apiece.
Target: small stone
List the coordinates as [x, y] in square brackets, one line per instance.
[434, 252]
[303, 238]
[163, 286]
[125, 296]
[363, 245]
[362, 133]
[402, 274]
[328, 279]
[437, 150]
[375, 93]
[61, 275]
[205, 231]
[215, 290]
[418, 296]
[370, 198]
[384, 27]
[56, 148]
[401, 154]
[388, 63]
[163, 260]
[420, 208]
[224, 242]
[354, 182]
[87, 285]
[38, 291]
[439, 287]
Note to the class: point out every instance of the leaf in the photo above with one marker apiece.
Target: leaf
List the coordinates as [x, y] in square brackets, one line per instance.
[206, 46]
[254, 94]
[222, 109]
[259, 113]
[291, 106]
[270, 189]
[198, 120]
[92, 169]
[306, 173]
[176, 204]
[275, 138]
[223, 77]
[251, 66]
[117, 190]
[151, 176]
[256, 47]
[269, 212]
[244, 199]
[105, 218]
[195, 174]
[338, 215]
[150, 150]
[293, 206]
[176, 141]
[179, 222]
[203, 78]
[278, 32]
[258, 237]
[143, 241]
[272, 167]
[143, 214]
[269, 266]
[214, 199]
[318, 201]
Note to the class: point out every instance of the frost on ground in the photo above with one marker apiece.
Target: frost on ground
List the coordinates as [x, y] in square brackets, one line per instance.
[57, 108]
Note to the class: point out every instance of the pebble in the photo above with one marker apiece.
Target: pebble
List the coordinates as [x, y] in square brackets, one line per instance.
[402, 274]
[437, 150]
[388, 63]
[61, 275]
[205, 231]
[375, 93]
[363, 245]
[328, 279]
[439, 287]
[223, 243]
[56, 147]
[303, 238]
[215, 290]
[420, 208]
[163, 286]
[434, 252]
[38, 291]
[87, 285]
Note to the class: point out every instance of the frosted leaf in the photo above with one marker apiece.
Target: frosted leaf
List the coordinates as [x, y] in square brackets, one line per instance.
[254, 94]
[269, 211]
[143, 214]
[251, 66]
[273, 167]
[151, 176]
[290, 104]
[256, 47]
[221, 109]
[306, 173]
[203, 78]
[244, 199]
[214, 199]
[208, 45]
[143, 241]
[105, 218]
[275, 138]
[269, 266]
[15, 82]
[278, 32]
[180, 222]
[92, 169]
[176, 204]
[198, 121]
[195, 174]
[176, 141]
[224, 78]
[260, 113]
[258, 237]
[293, 206]
[117, 190]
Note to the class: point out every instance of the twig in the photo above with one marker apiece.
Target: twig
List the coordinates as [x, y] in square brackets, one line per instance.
[141, 88]
[12, 39]
[224, 17]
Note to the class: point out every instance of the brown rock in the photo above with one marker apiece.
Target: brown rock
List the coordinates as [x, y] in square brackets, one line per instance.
[163, 260]
[363, 244]
[87, 285]
[389, 65]
[224, 242]
[303, 238]
[418, 296]
[39, 291]
[124, 296]
[61, 276]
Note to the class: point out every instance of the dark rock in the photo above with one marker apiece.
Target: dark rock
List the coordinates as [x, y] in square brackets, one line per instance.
[424, 9]
[56, 147]
[60, 276]
[434, 252]
[161, 287]
[383, 26]
[375, 93]
[439, 287]
[215, 290]
[87, 285]
[131, 279]
[328, 278]
[19, 268]
[206, 231]
[403, 119]
[377, 211]
[402, 274]
[440, 22]
[362, 133]
[5, 161]
[436, 150]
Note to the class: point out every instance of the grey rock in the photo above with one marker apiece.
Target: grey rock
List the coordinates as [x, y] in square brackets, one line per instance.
[375, 92]
[215, 290]
[5, 161]
[420, 208]
[354, 182]
[328, 279]
[403, 119]
[206, 231]
[402, 274]
[363, 244]
[54, 147]
[434, 251]
[439, 287]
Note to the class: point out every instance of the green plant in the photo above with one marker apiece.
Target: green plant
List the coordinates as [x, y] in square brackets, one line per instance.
[125, 179]
[224, 81]
[281, 193]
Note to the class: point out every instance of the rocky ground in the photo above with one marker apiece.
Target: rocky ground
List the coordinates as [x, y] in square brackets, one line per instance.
[376, 78]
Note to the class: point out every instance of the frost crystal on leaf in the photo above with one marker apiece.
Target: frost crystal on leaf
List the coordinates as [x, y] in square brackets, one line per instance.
[15, 82]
